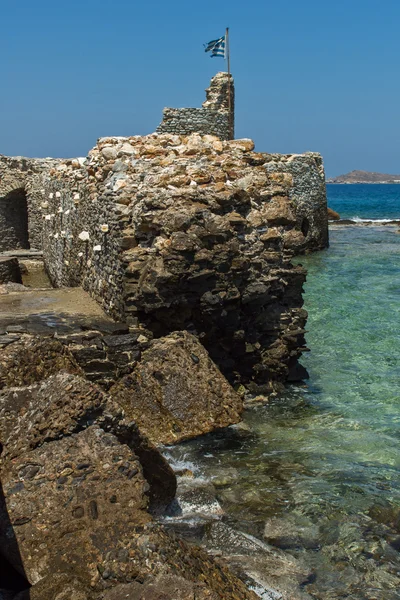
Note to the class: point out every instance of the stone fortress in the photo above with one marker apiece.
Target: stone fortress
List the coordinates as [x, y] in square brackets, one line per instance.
[182, 240]
[179, 231]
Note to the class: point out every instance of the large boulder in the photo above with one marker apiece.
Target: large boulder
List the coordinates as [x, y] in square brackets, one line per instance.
[54, 408]
[176, 392]
[65, 404]
[62, 499]
[74, 524]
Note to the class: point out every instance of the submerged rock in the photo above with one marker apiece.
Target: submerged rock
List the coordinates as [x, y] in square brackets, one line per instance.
[176, 392]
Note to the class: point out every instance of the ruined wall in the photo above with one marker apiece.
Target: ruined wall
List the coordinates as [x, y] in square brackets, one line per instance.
[308, 194]
[189, 233]
[216, 117]
[82, 218]
[183, 121]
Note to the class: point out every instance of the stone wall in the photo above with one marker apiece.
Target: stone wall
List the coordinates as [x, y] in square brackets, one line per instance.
[188, 233]
[216, 117]
[9, 270]
[183, 121]
[20, 199]
[308, 194]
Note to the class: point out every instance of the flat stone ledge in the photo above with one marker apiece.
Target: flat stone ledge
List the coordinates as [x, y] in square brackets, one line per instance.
[23, 253]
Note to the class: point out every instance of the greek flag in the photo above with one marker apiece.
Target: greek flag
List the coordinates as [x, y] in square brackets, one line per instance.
[216, 47]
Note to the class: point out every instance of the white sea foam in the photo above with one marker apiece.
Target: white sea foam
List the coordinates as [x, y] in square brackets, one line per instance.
[384, 220]
[179, 464]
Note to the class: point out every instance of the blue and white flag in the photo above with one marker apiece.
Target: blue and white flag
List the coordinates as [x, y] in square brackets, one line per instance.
[216, 47]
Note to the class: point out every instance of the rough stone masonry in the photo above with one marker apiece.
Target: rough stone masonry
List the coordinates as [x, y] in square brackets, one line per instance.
[175, 235]
[180, 232]
[186, 233]
[216, 117]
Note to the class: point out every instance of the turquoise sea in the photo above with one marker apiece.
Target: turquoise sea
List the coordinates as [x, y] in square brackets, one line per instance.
[316, 474]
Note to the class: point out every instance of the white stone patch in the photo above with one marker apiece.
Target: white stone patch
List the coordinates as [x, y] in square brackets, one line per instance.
[80, 254]
[47, 217]
[56, 236]
[84, 236]
[97, 248]
[51, 195]
[77, 197]
[127, 149]
[121, 183]
[58, 195]
[45, 205]
[60, 210]
[104, 228]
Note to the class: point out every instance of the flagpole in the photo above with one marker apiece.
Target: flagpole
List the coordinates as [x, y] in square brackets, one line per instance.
[228, 58]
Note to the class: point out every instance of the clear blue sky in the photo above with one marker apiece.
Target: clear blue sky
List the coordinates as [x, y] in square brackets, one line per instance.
[310, 74]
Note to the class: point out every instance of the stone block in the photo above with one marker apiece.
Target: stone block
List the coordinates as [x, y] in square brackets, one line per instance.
[176, 392]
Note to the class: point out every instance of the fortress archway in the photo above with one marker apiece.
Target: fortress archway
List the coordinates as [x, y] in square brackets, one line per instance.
[14, 233]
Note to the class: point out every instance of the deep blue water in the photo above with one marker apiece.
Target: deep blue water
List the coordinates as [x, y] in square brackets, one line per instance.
[365, 201]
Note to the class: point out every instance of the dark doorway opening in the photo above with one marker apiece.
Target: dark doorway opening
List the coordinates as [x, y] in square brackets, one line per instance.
[305, 226]
[14, 233]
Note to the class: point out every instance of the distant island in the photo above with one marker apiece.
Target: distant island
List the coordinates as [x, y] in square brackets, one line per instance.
[364, 177]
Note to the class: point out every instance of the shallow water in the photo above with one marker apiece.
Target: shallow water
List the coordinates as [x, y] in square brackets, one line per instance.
[317, 474]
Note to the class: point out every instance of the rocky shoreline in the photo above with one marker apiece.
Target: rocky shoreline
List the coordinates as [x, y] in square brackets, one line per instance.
[186, 243]
[81, 483]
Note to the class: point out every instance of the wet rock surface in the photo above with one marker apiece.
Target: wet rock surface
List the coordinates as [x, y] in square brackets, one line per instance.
[176, 392]
[80, 482]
